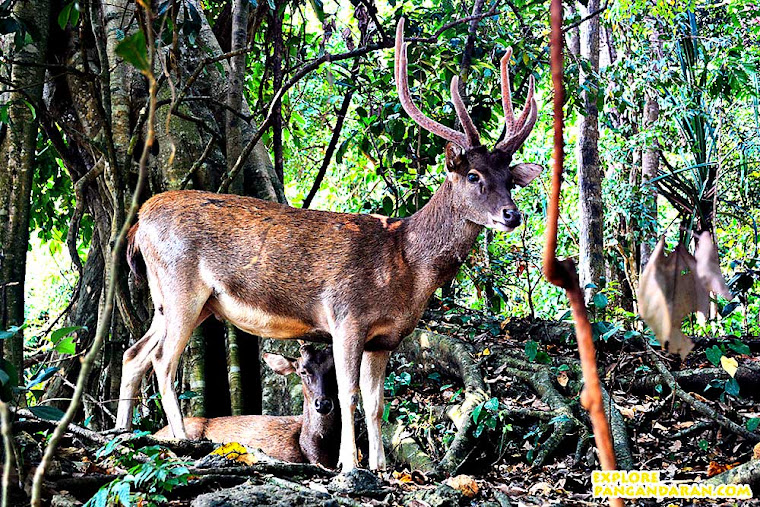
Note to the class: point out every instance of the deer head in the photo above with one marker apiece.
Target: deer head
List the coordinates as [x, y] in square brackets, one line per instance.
[317, 371]
[482, 180]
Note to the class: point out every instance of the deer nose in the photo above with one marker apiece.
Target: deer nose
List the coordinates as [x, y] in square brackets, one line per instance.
[323, 405]
[512, 217]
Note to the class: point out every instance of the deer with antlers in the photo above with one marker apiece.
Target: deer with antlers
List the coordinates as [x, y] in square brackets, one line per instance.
[359, 281]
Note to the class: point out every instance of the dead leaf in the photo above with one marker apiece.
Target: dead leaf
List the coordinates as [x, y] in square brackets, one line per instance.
[403, 477]
[715, 468]
[562, 378]
[236, 452]
[756, 451]
[541, 487]
[676, 285]
[708, 267]
[465, 484]
[729, 364]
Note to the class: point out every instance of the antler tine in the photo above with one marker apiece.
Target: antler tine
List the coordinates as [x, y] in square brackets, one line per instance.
[402, 85]
[473, 137]
[528, 101]
[519, 130]
[524, 124]
[506, 95]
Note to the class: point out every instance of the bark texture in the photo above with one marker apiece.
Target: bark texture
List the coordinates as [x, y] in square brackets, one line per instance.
[591, 227]
[17, 155]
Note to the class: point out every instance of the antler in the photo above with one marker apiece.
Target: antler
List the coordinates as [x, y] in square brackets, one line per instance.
[467, 139]
[516, 131]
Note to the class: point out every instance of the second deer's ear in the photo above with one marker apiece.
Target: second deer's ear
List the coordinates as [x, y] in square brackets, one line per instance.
[456, 161]
[280, 364]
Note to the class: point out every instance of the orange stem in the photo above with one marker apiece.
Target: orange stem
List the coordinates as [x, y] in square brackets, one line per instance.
[563, 274]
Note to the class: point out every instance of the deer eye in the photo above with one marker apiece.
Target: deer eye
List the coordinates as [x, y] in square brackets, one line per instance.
[473, 177]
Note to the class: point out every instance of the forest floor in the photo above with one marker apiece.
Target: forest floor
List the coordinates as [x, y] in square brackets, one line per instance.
[527, 439]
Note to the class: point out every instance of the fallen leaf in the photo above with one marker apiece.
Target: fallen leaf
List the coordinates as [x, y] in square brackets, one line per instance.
[403, 477]
[541, 487]
[729, 364]
[486, 352]
[714, 468]
[236, 452]
[756, 451]
[562, 379]
[465, 484]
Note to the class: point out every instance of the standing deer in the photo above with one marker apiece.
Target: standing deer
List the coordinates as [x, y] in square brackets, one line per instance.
[309, 437]
[361, 281]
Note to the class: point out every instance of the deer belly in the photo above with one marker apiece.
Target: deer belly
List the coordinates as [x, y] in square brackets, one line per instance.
[257, 321]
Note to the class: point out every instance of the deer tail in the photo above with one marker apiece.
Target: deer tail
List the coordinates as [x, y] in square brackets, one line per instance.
[134, 257]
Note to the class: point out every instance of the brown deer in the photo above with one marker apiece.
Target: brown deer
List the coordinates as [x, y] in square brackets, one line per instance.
[361, 281]
[311, 437]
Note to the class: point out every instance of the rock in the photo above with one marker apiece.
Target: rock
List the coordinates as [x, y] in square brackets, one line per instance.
[249, 495]
[358, 482]
[64, 499]
[441, 496]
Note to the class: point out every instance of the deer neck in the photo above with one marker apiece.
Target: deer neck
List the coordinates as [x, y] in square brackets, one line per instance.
[438, 238]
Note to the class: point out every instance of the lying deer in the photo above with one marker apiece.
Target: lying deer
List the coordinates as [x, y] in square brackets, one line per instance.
[310, 437]
[361, 281]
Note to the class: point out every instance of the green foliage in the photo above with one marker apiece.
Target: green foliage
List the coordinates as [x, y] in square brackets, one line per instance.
[144, 484]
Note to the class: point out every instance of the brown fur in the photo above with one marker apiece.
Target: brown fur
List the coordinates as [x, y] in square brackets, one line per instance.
[360, 281]
[311, 437]
[275, 435]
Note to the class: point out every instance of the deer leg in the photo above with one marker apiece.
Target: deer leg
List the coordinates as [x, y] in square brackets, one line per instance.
[372, 384]
[136, 363]
[166, 355]
[348, 344]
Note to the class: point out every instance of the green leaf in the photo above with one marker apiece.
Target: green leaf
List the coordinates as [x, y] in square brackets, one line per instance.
[476, 412]
[531, 350]
[732, 387]
[11, 331]
[492, 404]
[600, 300]
[4, 377]
[753, 423]
[42, 376]
[704, 444]
[134, 50]
[56, 335]
[739, 347]
[67, 346]
[45, 412]
[714, 354]
[63, 16]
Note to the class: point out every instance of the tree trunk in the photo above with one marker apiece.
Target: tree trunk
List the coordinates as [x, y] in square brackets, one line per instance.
[591, 230]
[650, 160]
[17, 155]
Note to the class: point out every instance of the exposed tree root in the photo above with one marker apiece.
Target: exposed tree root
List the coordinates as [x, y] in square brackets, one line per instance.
[406, 449]
[748, 377]
[748, 473]
[620, 441]
[454, 357]
[697, 405]
[540, 379]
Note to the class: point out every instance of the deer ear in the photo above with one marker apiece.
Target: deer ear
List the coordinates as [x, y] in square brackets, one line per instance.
[280, 364]
[523, 174]
[455, 159]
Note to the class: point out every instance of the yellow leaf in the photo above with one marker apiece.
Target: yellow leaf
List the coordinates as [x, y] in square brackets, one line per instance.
[486, 352]
[729, 364]
[236, 452]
